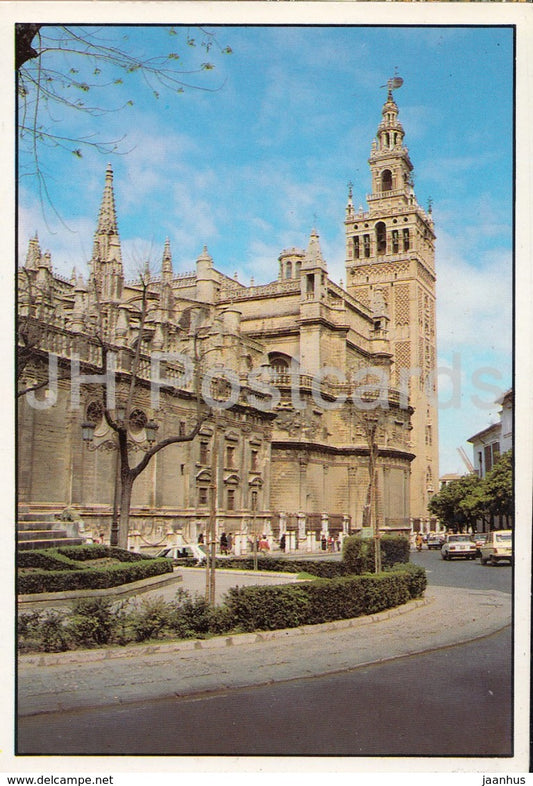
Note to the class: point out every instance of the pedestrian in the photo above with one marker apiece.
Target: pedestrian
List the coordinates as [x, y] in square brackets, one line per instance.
[419, 541]
[223, 543]
[200, 538]
[230, 543]
[263, 544]
[324, 543]
[282, 542]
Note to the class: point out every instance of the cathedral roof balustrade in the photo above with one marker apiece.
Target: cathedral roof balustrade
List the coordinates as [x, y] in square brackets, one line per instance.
[385, 195]
[333, 389]
[291, 286]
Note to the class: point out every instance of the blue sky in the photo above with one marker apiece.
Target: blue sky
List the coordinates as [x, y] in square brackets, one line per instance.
[250, 168]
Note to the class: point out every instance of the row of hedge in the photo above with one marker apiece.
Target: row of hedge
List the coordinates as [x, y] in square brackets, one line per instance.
[68, 557]
[323, 600]
[98, 622]
[357, 558]
[98, 577]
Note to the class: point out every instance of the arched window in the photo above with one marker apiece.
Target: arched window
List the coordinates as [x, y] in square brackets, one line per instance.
[288, 270]
[381, 238]
[406, 242]
[356, 250]
[280, 363]
[386, 180]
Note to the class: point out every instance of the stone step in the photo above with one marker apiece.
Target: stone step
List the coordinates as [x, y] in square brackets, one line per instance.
[35, 516]
[32, 526]
[51, 534]
[48, 544]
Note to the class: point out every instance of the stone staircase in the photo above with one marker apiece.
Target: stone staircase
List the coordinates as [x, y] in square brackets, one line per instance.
[41, 530]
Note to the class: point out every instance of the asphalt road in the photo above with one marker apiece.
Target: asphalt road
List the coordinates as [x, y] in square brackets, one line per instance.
[453, 702]
[463, 572]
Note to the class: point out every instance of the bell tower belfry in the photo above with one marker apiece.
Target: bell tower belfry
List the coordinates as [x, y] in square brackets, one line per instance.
[391, 247]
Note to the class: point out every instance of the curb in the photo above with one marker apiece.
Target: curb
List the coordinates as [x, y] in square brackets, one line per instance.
[219, 642]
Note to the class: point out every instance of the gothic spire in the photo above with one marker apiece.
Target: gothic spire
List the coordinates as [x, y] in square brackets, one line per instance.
[33, 256]
[107, 218]
[313, 255]
[107, 256]
[166, 265]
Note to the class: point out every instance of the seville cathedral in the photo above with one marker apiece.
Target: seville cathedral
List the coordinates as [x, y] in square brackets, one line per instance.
[322, 374]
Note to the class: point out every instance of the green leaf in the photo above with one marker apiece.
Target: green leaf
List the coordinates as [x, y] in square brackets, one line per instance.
[77, 153]
[118, 82]
[173, 56]
[207, 66]
[227, 50]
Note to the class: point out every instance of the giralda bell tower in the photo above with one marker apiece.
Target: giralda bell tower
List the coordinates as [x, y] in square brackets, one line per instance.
[390, 256]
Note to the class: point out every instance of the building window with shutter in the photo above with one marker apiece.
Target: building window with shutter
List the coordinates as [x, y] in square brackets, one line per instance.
[230, 456]
[203, 496]
[204, 452]
[231, 499]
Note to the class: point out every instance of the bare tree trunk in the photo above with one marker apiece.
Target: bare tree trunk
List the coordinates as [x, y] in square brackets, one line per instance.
[126, 487]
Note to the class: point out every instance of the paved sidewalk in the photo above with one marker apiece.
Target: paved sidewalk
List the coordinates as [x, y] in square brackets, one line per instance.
[90, 678]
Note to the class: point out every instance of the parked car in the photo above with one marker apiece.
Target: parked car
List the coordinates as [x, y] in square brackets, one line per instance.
[458, 546]
[498, 547]
[479, 539]
[178, 553]
[435, 540]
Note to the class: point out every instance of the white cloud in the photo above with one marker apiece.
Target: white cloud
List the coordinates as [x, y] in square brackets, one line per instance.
[474, 303]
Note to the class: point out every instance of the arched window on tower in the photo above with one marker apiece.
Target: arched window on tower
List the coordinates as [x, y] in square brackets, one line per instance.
[366, 243]
[356, 250]
[280, 363]
[386, 180]
[387, 139]
[406, 243]
[395, 241]
[288, 270]
[381, 238]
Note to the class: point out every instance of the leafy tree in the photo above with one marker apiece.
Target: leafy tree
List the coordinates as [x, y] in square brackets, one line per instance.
[469, 499]
[67, 72]
[499, 487]
[446, 504]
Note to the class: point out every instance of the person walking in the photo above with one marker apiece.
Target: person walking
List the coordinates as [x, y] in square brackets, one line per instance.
[223, 543]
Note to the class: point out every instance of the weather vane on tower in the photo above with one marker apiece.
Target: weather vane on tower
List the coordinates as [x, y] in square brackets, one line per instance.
[395, 82]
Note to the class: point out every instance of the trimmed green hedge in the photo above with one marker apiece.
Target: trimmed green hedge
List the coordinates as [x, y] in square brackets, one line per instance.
[358, 553]
[309, 603]
[99, 577]
[324, 568]
[100, 551]
[46, 559]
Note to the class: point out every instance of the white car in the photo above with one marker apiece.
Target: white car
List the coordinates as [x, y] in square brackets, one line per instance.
[178, 553]
[460, 546]
[498, 547]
